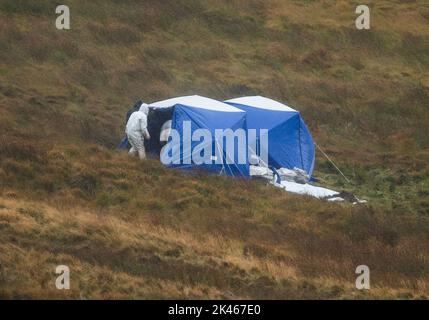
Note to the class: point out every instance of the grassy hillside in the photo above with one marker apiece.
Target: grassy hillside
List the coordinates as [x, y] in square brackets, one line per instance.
[139, 230]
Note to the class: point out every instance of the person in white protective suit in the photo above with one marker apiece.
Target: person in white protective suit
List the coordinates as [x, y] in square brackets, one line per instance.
[136, 130]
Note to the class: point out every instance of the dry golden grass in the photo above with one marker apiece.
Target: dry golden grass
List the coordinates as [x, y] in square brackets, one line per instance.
[139, 230]
[115, 257]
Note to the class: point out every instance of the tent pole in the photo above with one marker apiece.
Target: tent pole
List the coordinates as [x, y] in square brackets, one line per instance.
[220, 151]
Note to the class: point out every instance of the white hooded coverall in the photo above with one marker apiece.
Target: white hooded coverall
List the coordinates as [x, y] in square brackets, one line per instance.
[136, 130]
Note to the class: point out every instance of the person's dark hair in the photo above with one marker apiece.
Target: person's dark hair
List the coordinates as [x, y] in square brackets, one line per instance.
[135, 108]
[137, 104]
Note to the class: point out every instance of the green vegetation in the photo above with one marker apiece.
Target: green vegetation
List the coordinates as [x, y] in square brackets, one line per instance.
[138, 230]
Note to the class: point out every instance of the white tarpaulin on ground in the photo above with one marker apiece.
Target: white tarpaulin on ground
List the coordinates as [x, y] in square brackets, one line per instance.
[308, 189]
[317, 192]
[284, 179]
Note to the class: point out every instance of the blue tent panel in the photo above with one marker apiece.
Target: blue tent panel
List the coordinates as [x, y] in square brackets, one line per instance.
[187, 119]
[289, 141]
[124, 143]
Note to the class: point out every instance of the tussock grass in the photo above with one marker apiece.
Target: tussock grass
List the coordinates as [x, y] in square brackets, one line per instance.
[111, 215]
[116, 255]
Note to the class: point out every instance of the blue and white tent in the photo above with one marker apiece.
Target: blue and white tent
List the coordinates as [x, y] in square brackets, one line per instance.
[191, 147]
[290, 144]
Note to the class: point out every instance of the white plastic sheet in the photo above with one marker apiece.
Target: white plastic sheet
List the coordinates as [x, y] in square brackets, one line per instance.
[310, 190]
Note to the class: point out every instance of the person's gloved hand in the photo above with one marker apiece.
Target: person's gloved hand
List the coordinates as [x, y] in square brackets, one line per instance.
[146, 135]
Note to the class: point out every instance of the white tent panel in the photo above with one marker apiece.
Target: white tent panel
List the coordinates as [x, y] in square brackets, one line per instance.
[196, 102]
[262, 103]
